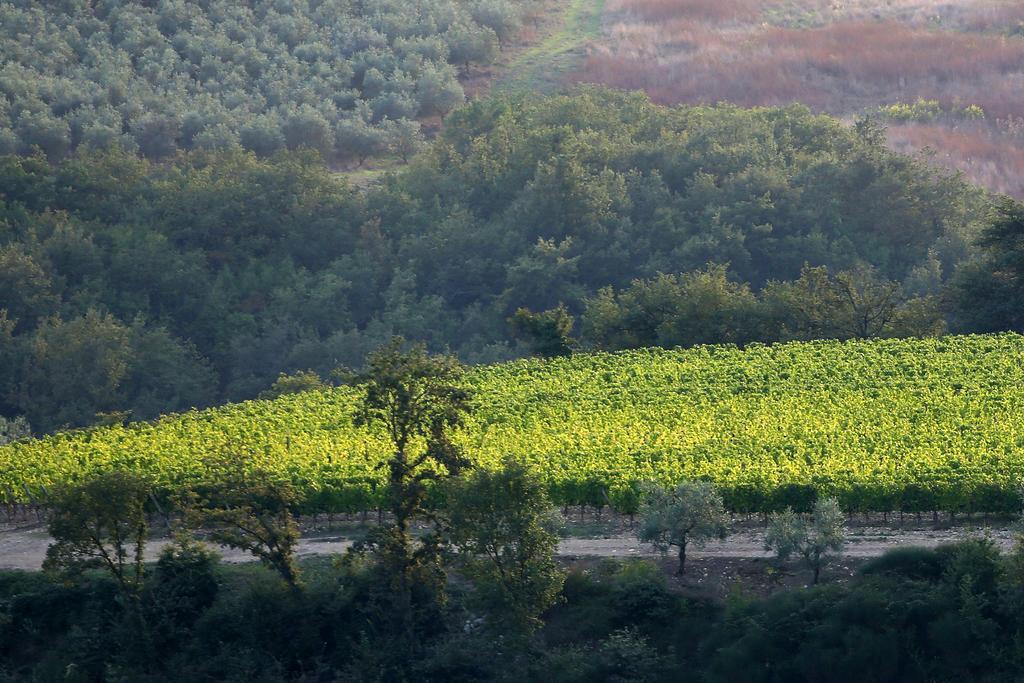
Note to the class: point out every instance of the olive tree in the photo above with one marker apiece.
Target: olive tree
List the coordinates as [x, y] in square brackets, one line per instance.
[263, 135]
[307, 127]
[48, 133]
[156, 135]
[500, 16]
[357, 139]
[816, 539]
[469, 42]
[404, 138]
[438, 90]
[690, 513]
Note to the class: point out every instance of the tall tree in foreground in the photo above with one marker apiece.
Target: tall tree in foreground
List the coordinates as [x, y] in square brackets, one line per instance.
[101, 523]
[505, 527]
[690, 514]
[417, 400]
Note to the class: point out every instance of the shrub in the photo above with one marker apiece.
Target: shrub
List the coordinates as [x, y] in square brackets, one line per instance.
[913, 563]
[504, 525]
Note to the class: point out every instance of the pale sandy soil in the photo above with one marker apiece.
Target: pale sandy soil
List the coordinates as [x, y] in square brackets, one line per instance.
[23, 546]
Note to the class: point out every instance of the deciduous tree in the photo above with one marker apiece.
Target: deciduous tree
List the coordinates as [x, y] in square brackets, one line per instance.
[101, 523]
[547, 332]
[505, 527]
[416, 400]
[250, 509]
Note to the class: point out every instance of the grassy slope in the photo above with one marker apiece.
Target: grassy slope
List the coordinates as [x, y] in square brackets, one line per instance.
[543, 67]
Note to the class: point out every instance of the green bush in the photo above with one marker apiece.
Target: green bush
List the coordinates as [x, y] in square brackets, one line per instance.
[913, 563]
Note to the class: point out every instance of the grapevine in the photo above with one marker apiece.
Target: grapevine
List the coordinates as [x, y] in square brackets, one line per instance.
[914, 425]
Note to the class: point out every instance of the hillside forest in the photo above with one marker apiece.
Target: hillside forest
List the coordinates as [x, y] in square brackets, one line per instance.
[137, 287]
[174, 231]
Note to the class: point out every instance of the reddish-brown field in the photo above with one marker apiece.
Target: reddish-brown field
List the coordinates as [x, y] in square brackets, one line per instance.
[988, 156]
[846, 58]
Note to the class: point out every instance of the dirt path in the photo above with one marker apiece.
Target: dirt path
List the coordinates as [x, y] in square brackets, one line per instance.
[24, 546]
[544, 66]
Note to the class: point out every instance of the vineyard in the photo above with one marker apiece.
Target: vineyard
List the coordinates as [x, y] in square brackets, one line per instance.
[910, 425]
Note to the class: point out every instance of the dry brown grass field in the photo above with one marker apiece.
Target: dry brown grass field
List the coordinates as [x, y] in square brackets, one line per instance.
[844, 57]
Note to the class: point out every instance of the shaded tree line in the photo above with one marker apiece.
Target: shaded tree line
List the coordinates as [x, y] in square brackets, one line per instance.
[706, 307]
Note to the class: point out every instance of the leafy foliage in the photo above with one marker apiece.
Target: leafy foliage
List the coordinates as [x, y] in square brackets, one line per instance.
[547, 332]
[159, 77]
[151, 288]
[690, 514]
[14, 430]
[417, 400]
[303, 380]
[815, 540]
[101, 523]
[617, 622]
[504, 527]
[414, 396]
[251, 510]
[989, 293]
[878, 424]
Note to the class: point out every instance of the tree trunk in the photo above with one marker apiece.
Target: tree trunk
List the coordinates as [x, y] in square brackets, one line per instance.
[682, 559]
[817, 573]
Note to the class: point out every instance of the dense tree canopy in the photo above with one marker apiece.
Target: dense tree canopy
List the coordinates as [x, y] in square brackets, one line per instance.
[204, 74]
[605, 187]
[130, 285]
[988, 292]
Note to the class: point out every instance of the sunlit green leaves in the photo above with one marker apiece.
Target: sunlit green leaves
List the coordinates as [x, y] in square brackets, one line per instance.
[882, 425]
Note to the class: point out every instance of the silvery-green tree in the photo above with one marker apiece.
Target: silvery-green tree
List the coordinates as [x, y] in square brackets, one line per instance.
[692, 513]
[816, 539]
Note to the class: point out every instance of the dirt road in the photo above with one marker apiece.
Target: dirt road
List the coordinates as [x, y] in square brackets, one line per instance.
[24, 546]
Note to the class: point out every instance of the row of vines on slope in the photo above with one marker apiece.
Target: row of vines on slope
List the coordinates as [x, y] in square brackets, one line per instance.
[911, 425]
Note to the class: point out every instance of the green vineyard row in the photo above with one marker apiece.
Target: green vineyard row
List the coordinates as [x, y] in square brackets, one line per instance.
[912, 425]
